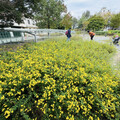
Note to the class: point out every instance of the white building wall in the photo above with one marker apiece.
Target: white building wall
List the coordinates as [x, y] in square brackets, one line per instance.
[27, 23]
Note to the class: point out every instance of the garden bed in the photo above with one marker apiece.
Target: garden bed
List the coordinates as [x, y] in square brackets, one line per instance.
[58, 80]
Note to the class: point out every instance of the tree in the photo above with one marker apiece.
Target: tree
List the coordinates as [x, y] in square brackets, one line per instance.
[14, 10]
[115, 21]
[85, 17]
[67, 21]
[74, 22]
[49, 13]
[85, 24]
[86, 14]
[96, 23]
[106, 14]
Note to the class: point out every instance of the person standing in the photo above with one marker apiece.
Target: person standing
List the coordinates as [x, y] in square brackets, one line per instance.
[92, 34]
[68, 34]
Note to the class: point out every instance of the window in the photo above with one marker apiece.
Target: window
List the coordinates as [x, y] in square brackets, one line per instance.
[28, 21]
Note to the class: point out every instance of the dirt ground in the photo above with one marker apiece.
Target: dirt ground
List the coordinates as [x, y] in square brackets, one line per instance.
[10, 46]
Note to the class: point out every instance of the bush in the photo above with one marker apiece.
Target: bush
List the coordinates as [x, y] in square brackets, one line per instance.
[101, 32]
[109, 32]
[55, 79]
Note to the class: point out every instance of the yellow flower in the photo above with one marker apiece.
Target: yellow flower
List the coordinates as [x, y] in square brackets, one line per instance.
[22, 89]
[22, 105]
[112, 115]
[98, 118]
[67, 118]
[21, 110]
[7, 114]
[2, 97]
[90, 118]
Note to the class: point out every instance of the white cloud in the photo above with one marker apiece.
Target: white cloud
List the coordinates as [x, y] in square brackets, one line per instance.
[77, 7]
[75, 1]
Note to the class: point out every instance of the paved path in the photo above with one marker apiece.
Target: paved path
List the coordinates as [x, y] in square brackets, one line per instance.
[96, 38]
[99, 39]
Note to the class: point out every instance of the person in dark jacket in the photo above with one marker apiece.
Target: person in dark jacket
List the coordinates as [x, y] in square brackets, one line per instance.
[116, 40]
[69, 34]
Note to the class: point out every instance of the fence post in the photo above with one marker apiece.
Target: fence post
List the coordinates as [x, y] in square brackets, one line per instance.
[35, 37]
[11, 34]
[22, 34]
[48, 34]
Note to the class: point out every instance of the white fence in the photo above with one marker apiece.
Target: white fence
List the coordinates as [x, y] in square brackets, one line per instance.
[21, 36]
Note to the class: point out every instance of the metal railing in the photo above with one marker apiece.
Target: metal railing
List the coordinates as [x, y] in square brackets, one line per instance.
[15, 33]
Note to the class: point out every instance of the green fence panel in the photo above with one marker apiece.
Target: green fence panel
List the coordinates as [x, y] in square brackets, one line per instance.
[17, 34]
[4, 34]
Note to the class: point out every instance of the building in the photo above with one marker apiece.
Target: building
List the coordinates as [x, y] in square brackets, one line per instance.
[27, 23]
[9, 35]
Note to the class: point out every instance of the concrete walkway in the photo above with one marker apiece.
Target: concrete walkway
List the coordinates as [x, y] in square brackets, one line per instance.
[99, 39]
[96, 38]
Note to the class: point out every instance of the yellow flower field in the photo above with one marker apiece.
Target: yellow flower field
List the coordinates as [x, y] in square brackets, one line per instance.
[59, 80]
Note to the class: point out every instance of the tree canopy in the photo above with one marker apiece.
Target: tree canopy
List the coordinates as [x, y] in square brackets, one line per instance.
[74, 22]
[106, 15]
[96, 23]
[67, 21]
[14, 10]
[115, 21]
[85, 17]
[49, 13]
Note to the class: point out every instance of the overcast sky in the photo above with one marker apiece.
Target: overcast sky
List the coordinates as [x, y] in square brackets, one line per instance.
[77, 7]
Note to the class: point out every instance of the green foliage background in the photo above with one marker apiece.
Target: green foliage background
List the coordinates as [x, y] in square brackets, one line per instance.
[48, 14]
[115, 21]
[96, 23]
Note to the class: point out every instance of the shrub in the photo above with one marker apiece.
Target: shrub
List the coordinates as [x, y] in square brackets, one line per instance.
[101, 32]
[55, 79]
[109, 32]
